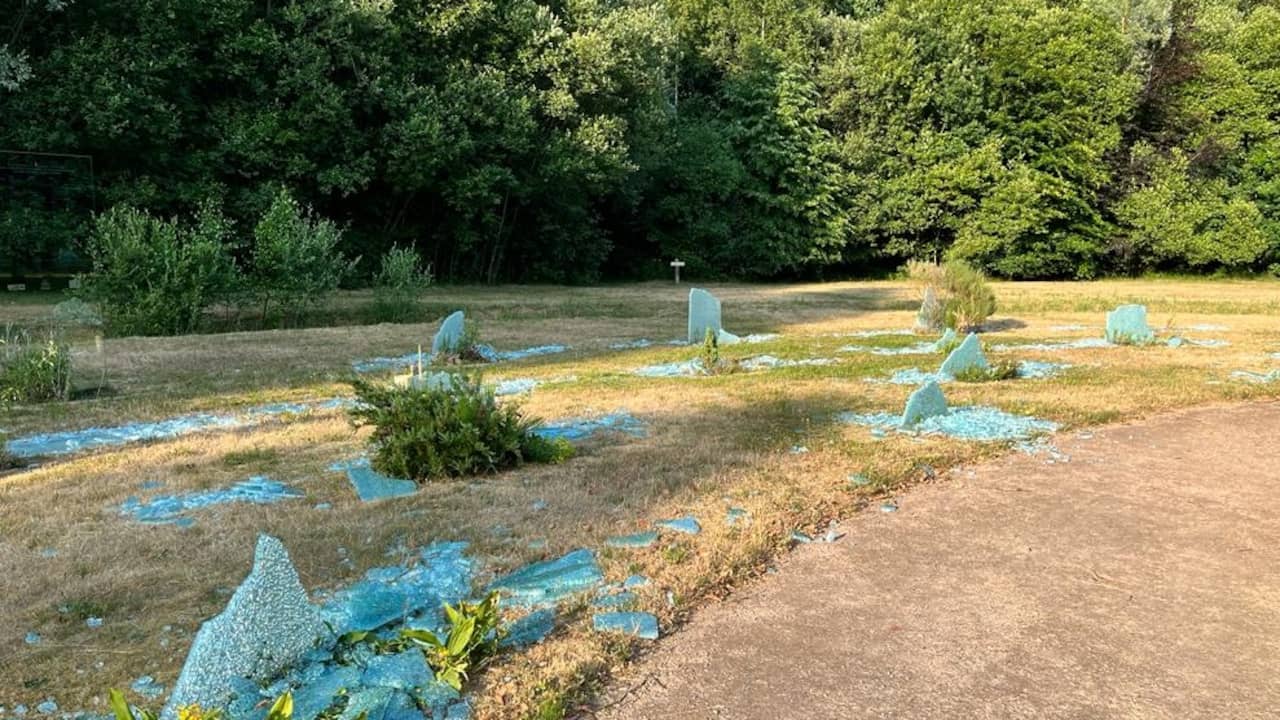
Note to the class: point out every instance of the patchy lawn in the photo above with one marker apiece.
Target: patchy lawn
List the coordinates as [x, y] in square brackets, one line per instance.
[67, 554]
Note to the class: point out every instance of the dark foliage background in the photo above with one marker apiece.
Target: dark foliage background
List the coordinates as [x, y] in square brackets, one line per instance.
[570, 140]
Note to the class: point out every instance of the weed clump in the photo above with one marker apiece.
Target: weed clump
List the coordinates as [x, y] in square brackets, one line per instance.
[32, 370]
[399, 285]
[1000, 370]
[449, 430]
[961, 295]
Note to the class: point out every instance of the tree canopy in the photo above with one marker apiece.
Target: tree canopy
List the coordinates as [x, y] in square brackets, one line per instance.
[570, 140]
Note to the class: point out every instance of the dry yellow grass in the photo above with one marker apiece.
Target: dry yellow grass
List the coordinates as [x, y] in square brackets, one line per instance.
[712, 443]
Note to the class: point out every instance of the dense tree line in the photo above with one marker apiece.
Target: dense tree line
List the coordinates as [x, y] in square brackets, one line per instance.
[573, 139]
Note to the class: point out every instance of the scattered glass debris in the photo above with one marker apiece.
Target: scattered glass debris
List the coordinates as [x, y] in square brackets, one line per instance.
[547, 582]
[684, 368]
[615, 600]
[888, 506]
[93, 622]
[583, 428]
[32, 638]
[371, 485]
[639, 624]
[411, 360]
[71, 441]
[769, 362]
[859, 480]
[166, 509]
[530, 629]
[736, 515]
[1261, 378]
[965, 423]
[147, 687]
[635, 581]
[687, 525]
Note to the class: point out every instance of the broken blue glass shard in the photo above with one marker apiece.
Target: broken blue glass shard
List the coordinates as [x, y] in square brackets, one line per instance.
[634, 540]
[583, 428]
[635, 581]
[800, 538]
[371, 485]
[735, 515]
[72, 441]
[441, 574]
[888, 506]
[924, 403]
[162, 509]
[687, 525]
[859, 480]
[32, 638]
[530, 629]
[1127, 325]
[147, 687]
[638, 624]
[48, 707]
[545, 583]
[402, 671]
[617, 600]
[966, 357]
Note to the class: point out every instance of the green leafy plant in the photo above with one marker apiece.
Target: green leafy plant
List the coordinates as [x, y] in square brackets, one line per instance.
[296, 265]
[281, 709]
[33, 370]
[157, 277]
[448, 430]
[964, 301]
[999, 370]
[7, 460]
[709, 359]
[473, 638]
[399, 284]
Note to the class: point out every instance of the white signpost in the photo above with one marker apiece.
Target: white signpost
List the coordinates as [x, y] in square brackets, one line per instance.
[677, 264]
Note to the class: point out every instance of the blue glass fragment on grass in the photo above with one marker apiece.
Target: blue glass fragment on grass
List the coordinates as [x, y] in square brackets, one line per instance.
[634, 540]
[515, 386]
[967, 356]
[371, 485]
[639, 624]
[72, 441]
[164, 509]
[1127, 325]
[687, 525]
[614, 601]
[402, 671]
[530, 629]
[635, 581]
[735, 515]
[924, 403]
[1037, 370]
[548, 582]
[147, 687]
[583, 428]
[441, 574]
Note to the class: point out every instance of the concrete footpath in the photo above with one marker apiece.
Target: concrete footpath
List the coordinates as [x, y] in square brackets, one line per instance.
[1141, 579]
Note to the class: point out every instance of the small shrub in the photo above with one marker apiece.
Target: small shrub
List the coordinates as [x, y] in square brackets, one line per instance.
[709, 359]
[399, 285]
[157, 277]
[970, 301]
[296, 262]
[1000, 370]
[474, 635]
[964, 300]
[439, 432]
[467, 349]
[33, 371]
